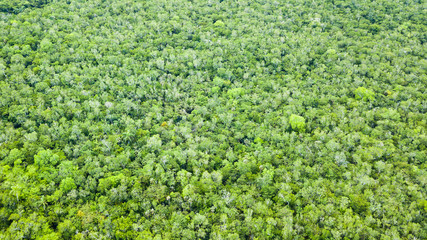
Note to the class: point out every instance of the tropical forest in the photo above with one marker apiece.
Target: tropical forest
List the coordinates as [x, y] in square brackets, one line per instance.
[213, 119]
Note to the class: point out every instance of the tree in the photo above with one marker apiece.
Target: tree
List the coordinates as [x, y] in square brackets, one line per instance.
[297, 123]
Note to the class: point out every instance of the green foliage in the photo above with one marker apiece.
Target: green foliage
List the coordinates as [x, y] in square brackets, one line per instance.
[236, 92]
[219, 23]
[364, 94]
[46, 158]
[107, 183]
[13, 6]
[175, 119]
[67, 184]
[297, 123]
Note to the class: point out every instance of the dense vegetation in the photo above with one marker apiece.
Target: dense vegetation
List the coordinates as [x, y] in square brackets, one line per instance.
[192, 119]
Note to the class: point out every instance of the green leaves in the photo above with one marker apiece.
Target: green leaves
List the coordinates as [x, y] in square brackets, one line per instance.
[364, 94]
[297, 123]
[46, 158]
[67, 184]
[16, 6]
[236, 92]
[107, 183]
[14, 155]
[201, 119]
[219, 23]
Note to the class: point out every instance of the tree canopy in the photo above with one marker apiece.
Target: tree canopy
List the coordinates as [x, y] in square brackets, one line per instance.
[219, 119]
